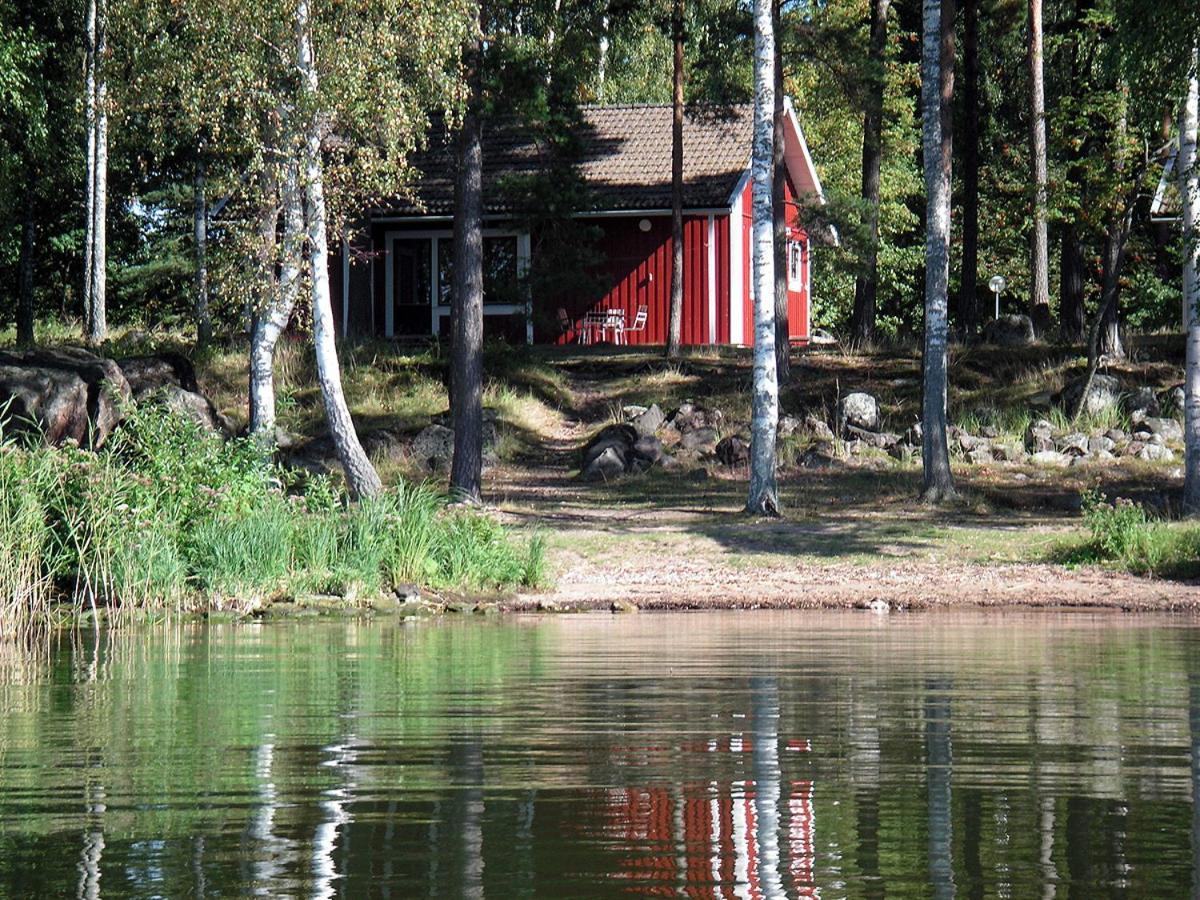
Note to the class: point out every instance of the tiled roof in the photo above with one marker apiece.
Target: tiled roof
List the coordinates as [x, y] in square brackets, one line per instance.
[626, 160]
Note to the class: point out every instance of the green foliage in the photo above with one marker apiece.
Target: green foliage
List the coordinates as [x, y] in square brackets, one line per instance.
[1123, 533]
[170, 516]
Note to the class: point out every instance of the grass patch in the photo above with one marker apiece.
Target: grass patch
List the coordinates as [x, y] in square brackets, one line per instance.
[1126, 535]
[168, 516]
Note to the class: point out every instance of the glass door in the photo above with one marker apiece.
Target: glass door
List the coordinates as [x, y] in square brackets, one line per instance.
[412, 283]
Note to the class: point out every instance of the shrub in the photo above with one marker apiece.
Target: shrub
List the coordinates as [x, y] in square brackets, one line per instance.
[1123, 533]
[167, 513]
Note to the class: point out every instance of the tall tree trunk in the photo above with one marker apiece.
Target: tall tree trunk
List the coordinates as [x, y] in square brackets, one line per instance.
[866, 286]
[937, 86]
[1110, 286]
[1189, 192]
[200, 247]
[466, 360]
[98, 324]
[25, 267]
[968, 299]
[279, 298]
[783, 366]
[764, 492]
[675, 321]
[97, 239]
[1039, 300]
[361, 477]
[89, 106]
[1071, 285]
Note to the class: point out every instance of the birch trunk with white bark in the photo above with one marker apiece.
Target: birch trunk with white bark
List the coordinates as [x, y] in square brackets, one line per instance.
[200, 248]
[89, 106]
[361, 477]
[1039, 299]
[271, 320]
[1189, 192]
[675, 316]
[938, 482]
[764, 492]
[98, 316]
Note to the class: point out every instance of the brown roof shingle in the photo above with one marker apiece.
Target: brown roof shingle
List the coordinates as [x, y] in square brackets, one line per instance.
[625, 159]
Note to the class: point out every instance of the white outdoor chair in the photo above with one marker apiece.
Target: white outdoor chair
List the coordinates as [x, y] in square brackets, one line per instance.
[639, 322]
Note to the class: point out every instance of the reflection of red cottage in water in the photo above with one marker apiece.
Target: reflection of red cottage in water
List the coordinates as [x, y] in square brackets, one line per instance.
[393, 280]
[709, 837]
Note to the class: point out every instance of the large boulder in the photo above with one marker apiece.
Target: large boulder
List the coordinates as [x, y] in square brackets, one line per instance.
[170, 380]
[1009, 331]
[1167, 429]
[733, 451]
[66, 395]
[859, 410]
[1103, 394]
[700, 439]
[617, 450]
[433, 448]
[648, 421]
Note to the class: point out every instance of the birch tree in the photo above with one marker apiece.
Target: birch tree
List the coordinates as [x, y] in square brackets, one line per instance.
[764, 491]
[96, 230]
[675, 317]
[1189, 193]
[361, 477]
[937, 85]
[1039, 299]
[200, 249]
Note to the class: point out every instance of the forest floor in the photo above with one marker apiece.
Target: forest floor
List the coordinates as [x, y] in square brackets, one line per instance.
[850, 534]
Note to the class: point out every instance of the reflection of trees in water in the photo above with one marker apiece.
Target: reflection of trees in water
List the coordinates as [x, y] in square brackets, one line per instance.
[938, 762]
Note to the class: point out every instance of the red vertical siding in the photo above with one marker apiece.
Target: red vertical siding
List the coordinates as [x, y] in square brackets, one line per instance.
[636, 272]
[722, 233]
[798, 300]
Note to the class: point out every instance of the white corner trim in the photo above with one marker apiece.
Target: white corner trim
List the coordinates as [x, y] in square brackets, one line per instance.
[712, 279]
[794, 121]
[736, 286]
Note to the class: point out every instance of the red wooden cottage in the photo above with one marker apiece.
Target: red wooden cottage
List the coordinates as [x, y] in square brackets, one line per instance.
[394, 280]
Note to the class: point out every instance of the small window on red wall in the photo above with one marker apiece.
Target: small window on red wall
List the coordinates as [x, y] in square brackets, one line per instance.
[795, 264]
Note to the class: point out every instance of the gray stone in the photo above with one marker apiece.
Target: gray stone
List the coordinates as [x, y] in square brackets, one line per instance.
[1116, 435]
[1073, 444]
[821, 338]
[1050, 458]
[384, 445]
[407, 593]
[880, 440]
[189, 405]
[620, 438]
[991, 432]
[1100, 443]
[1007, 452]
[1155, 453]
[1139, 403]
[649, 421]
[1039, 436]
[859, 409]
[980, 455]
[733, 451]
[788, 425]
[605, 466]
[1103, 395]
[818, 456]
[704, 438]
[632, 411]
[146, 373]
[433, 448]
[66, 395]
[818, 428]
[1171, 400]
[646, 451]
[1168, 429]
[1009, 331]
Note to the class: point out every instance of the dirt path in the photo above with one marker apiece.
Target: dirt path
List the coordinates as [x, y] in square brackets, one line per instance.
[850, 537]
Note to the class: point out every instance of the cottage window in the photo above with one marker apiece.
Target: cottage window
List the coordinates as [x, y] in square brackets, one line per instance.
[795, 265]
[500, 283]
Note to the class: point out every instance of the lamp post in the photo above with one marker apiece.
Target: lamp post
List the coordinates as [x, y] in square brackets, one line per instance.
[996, 283]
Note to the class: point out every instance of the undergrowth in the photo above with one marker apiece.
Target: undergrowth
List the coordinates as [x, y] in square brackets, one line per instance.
[1125, 534]
[169, 516]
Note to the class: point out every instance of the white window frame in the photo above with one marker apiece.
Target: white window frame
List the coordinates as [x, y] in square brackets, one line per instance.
[438, 310]
[795, 265]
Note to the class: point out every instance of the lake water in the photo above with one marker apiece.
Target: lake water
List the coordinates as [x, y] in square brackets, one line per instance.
[751, 754]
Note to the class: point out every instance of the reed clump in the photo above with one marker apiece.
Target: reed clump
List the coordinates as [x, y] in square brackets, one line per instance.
[168, 516]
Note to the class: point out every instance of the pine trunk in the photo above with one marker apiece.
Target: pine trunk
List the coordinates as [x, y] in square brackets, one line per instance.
[26, 266]
[968, 289]
[866, 286]
[279, 299]
[466, 361]
[675, 320]
[783, 363]
[1189, 192]
[764, 492]
[936, 89]
[361, 477]
[1039, 300]
[200, 247]
[1073, 316]
[97, 310]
